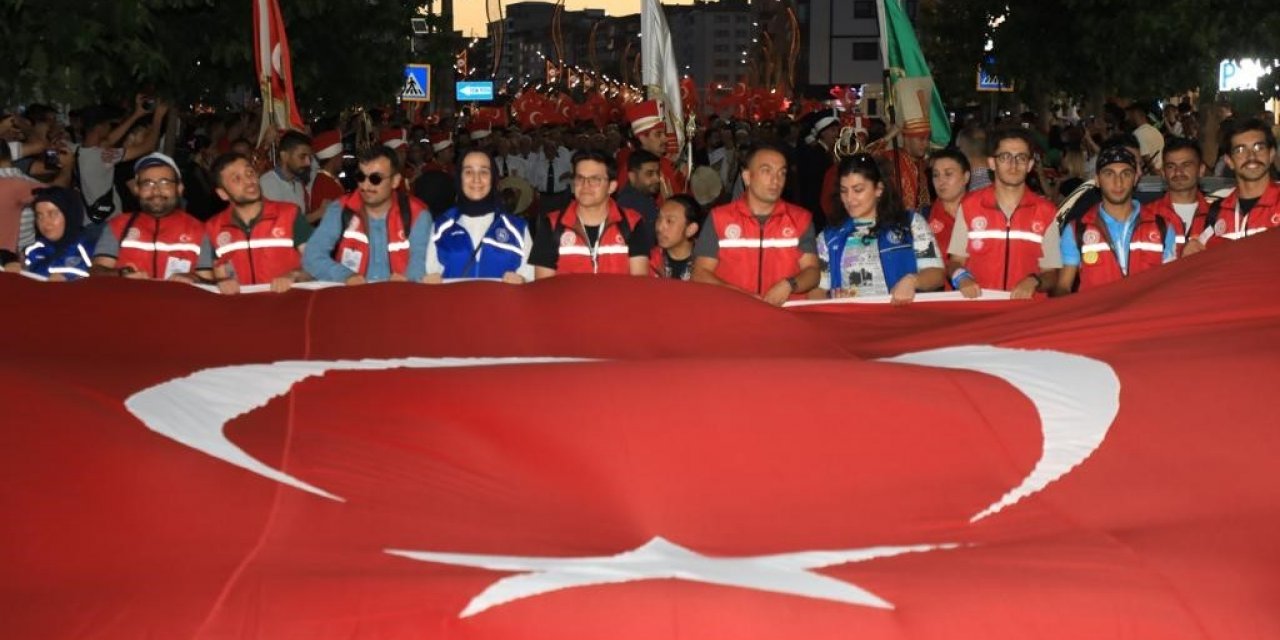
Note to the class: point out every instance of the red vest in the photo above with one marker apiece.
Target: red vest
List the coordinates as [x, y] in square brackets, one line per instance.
[325, 188]
[1098, 263]
[353, 246]
[1264, 215]
[754, 258]
[1003, 251]
[611, 253]
[266, 252]
[159, 247]
[941, 224]
[1164, 207]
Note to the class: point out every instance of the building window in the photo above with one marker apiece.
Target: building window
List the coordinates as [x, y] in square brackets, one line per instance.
[721, 19]
[721, 33]
[720, 48]
[720, 64]
[864, 9]
[866, 51]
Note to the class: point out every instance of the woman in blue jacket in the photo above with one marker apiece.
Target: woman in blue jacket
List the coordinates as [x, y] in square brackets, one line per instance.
[880, 248]
[477, 238]
[61, 251]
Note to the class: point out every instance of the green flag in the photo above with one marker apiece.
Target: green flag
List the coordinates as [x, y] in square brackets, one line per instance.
[915, 98]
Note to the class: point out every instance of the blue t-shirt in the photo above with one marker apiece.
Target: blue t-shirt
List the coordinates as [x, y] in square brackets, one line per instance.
[1121, 232]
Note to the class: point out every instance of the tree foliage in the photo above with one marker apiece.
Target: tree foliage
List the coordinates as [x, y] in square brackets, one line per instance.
[1097, 47]
[345, 52]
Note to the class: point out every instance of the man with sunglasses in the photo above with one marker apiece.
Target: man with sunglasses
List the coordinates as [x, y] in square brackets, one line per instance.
[1005, 237]
[1254, 205]
[376, 233]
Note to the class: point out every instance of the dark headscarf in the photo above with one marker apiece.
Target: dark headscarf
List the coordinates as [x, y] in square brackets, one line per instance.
[492, 201]
[71, 205]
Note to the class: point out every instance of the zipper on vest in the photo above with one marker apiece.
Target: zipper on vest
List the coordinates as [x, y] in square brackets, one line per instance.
[760, 261]
[155, 249]
[253, 273]
[1007, 228]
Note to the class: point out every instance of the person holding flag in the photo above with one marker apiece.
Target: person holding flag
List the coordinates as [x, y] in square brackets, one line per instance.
[914, 104]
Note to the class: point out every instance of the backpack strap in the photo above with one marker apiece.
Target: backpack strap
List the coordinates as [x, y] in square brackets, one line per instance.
[1211, 217]
[347, 215]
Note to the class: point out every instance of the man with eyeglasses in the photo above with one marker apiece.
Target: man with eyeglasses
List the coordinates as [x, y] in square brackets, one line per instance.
[1118, 237]
[254, 240]
[593, 234]
[1006, 236]
[376, 233]
[157, 242]
[1254, 205]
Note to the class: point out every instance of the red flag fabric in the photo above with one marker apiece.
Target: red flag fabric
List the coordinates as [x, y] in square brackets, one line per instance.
[274, 66]
[319, 465]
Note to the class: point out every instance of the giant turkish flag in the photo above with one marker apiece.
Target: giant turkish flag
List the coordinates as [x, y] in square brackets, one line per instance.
[601, 457]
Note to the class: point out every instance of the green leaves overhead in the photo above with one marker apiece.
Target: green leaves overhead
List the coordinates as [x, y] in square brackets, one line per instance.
[345, 52]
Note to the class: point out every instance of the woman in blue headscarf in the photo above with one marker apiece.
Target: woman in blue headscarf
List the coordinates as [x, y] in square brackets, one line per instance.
[61, 250]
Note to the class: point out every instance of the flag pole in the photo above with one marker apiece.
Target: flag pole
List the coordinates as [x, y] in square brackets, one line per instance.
[889, 105]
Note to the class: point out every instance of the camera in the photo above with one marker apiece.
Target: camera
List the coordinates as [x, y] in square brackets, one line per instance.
[51, 159]
[149, 104]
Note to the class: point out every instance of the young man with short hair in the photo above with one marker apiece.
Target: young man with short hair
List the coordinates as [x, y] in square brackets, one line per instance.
[679, 221]
[592, 234]
[1118, 237]
[254, 240]
[1254, 205]
[1005, 237]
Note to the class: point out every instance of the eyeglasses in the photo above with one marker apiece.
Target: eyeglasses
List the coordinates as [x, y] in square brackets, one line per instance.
[593, 181]
[374, 179]
[1241, 150]
[1015, 158]
[162, 183]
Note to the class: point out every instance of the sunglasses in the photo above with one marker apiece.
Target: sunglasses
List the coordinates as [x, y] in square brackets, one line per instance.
[374, 179]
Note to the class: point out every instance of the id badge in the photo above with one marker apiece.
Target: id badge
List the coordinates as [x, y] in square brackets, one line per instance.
[351, 259]
[176, 266]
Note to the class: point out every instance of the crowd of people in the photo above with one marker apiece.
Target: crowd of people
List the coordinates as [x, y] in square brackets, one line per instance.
[830, 206]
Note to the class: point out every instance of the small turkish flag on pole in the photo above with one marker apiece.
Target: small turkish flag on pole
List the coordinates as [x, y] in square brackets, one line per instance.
[274, 67]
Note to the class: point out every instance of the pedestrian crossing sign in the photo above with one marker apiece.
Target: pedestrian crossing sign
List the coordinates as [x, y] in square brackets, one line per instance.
[417, 83]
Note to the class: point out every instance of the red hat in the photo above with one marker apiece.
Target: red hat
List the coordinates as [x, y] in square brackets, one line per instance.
[644, 116]
[479, 129]
[394, 138]
[440, 140]
[326, 144]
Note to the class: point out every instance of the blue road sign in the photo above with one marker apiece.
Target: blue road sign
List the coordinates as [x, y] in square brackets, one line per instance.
[988, 82]
[417, 83]
[474, 91]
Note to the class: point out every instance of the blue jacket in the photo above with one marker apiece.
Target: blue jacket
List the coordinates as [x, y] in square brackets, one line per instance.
[44, 259]
[897, 252]
[502, 248]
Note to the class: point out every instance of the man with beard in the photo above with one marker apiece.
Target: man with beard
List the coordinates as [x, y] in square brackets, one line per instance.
[650, 131]
[377, 233]
[288, 181]
[1118, 237]
[1254, 205]
[159, 241]
[644, 181]
[253, 241]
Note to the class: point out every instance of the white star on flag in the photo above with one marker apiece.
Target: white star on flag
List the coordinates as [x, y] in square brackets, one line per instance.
[658, 559]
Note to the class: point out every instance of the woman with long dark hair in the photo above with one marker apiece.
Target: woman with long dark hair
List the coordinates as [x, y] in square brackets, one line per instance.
[478, 238]
[880, 248]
